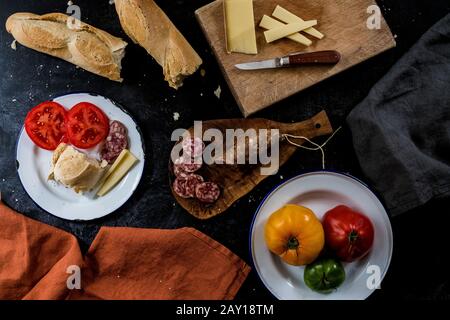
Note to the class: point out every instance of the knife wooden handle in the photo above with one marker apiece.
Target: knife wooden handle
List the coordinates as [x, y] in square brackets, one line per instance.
[319, 57]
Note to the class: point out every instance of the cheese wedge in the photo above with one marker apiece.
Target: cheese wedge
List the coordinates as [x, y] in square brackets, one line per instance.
[288, 17]
[270, 23]
[240, 26]
[287, 29]
[118, 170]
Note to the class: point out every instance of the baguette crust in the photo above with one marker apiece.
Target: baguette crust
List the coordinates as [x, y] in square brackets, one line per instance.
[147, 25]
[88, 47]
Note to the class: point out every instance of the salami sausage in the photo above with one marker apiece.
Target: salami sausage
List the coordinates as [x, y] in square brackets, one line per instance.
[117, 126]
[207, 192]
[179, 172]
[115, 142]
[186, 165]
[193, 147]
[192, 181]
[179, 186]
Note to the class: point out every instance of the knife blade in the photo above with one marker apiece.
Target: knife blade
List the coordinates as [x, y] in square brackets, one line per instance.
[294, 59]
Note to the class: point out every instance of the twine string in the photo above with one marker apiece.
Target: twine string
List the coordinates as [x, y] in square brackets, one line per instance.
[316, 145]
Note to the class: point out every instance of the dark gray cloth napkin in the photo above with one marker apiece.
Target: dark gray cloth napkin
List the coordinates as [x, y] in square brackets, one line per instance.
[401, 131]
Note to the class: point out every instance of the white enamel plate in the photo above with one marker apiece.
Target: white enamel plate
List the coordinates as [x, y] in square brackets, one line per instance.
[321, 191]
[34, 164]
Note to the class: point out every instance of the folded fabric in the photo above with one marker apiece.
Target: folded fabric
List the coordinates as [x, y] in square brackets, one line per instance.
[36, 261]
[401, 131]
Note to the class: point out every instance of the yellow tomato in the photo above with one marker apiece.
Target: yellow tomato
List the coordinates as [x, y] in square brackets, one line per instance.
[295, 234]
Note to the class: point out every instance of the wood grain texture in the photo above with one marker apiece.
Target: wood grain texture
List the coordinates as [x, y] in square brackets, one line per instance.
[236, 181]
[342, 21]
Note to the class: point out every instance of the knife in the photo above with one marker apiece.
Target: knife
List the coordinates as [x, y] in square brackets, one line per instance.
[294, 59]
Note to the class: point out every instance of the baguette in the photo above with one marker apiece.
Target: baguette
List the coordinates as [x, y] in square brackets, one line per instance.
[90, 48]
[147, 25]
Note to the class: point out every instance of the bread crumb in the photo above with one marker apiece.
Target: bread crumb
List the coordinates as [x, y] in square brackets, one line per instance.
[201, 94]
[14, 45]
[395, 36]
[111, 2]
[202, 72]
[281, 177]
[217, 92]
[13, 100]
[176, 116]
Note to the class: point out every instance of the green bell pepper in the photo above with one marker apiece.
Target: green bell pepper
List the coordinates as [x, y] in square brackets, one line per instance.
[324, 275]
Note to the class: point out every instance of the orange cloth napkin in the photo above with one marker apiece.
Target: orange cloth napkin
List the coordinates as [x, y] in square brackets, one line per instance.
[122, 263]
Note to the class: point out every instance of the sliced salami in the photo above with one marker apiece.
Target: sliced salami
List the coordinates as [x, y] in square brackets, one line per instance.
[117, 126]
[179, 186]
[192, 181]
[114, 144]
[207, 192]
[186, 165]
[179, 172]
[193, 147]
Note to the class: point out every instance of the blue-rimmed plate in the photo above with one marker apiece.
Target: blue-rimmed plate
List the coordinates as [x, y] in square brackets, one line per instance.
[34, 165]
[321, 191]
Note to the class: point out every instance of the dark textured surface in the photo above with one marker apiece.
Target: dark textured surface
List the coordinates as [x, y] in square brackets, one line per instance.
[418, 268]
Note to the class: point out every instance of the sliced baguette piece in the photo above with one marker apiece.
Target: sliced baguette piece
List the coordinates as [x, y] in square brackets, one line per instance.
[147, 25]
[83, 45]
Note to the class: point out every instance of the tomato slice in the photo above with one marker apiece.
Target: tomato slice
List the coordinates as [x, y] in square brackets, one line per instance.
[87, 125]
[45, 124]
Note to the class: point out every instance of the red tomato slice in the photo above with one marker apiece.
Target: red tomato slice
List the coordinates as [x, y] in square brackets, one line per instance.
[45, 125]
[87, 125]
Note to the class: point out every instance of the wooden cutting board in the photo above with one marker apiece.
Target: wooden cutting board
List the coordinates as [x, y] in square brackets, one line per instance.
[344, 23]
[235, 181]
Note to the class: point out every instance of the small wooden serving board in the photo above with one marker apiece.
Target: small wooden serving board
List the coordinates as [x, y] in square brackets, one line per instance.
[343, 22]
[235, 181]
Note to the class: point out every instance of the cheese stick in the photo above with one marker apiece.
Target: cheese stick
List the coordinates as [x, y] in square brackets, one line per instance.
[270, 23]
[288, 17]
[287, 29]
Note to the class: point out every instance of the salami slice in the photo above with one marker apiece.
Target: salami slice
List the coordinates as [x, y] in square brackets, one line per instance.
[207, 192]
[179, 186]
[114, 144]
[193, 147]
[186, 165]
[117, 126]
[192, 181]
[179, 172]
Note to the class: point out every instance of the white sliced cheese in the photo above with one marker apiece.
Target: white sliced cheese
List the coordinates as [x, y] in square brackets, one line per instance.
[287, 30]
[240, 26]
[288, 17]
[118, 170]
[270, 23]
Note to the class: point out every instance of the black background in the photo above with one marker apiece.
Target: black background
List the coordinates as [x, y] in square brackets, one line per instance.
[418, 269]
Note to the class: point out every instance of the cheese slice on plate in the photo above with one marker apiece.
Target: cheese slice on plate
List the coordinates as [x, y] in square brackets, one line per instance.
[240, 26]
[287, 29]
[270, 23]
[288, 17]
[123, 164]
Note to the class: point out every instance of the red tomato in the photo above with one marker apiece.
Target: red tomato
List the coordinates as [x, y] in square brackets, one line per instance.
[87, 125]
[348, 233]
[45, 125]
